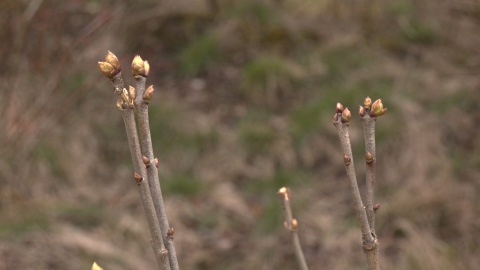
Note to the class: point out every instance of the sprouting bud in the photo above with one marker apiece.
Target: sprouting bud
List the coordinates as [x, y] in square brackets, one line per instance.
[107, 69]
[156, 162]
[95, 266]
[339, 107]
[376, 207]
[361, 111]
[294, 224]
[346, 159]
[138, 178]
[138, 66]
[170, 233]
[112, 60]
[120, 105]
[368, 157]
[346, 115]
[282, 191]
[367, 102]
[147, 68]
[148, 93]
[124, 95]
[132, 92]
[145, 160]
[377, 108]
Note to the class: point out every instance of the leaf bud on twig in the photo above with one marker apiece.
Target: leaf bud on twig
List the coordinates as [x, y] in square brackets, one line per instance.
[170, 233]
[138, 66]
[121, 105]
[376, 207]
[368, 157]
[148, 93]
[361, 111]
[377, 108]
[346, 159]
[146, 161]
[367, 102]
[107, 69]
[112, 60]
[138, 178]
[156, 162]
[339, 107]
[294, 224]
[124, 95]
[346, 115]
[132, 92]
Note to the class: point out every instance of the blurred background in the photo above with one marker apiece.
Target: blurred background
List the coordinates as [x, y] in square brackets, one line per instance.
[246, 90]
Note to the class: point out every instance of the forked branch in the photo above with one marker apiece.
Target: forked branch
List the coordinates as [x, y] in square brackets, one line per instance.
[112, 70]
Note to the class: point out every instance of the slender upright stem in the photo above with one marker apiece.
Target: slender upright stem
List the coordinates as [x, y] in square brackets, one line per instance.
[291, 224]
[370, 158]
[369, 241]
[133, 143]
[141, 107]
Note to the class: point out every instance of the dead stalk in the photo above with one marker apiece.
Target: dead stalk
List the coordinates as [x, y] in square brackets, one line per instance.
[291, 224]
[140, 69]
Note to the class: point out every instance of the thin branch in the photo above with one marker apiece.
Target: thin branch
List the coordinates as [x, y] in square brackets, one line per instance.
[370, 159]
[369, 242]
[140, 174]
[141, 69]
[291, 224]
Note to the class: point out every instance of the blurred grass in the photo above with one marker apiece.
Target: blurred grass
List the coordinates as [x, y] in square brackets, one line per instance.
[271, 73]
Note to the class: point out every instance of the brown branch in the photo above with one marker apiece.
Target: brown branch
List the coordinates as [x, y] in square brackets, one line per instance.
[370, 159]
[369, 242]
[291, 224]
[140, 69]
[140, 174]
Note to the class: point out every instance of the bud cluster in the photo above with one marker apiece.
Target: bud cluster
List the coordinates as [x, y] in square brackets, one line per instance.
[373, 110]
[111, 66]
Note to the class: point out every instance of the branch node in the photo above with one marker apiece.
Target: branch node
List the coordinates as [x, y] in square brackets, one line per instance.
[346, 159]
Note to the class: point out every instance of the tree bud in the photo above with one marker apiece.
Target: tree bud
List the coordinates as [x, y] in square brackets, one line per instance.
[138, 66]
[346, 115]
[377, 108]
[112, 60]
[339, 107]
[367, 102]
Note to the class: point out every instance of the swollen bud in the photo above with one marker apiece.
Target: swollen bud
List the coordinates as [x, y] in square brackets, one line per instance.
[156, 162]
[112, 60]
[294, 224]
[361, 111]
[132, 92]
[121, 105]
[339, 107]
[138, 178]
[367, 102]
[138, 66]
[148, 93]
[368, 157]
[145, 160]
[124, 95]
[376, 207]
[107, 69]
[346, 115]
[377, 108]
[346, 159]
[170, 233]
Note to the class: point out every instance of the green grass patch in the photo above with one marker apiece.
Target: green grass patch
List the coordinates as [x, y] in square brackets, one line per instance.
[199, 54]
[183, 184]
[88, 216]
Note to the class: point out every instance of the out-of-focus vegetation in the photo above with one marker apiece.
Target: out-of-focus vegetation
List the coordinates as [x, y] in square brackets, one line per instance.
[246, 91]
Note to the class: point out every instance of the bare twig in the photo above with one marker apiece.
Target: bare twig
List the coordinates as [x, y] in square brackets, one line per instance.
[369, 242]
[133, 143]
[370, 159]
[291, 224]
[140, 70]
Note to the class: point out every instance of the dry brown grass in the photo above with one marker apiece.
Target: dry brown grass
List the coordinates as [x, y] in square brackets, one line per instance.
[224, 150]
